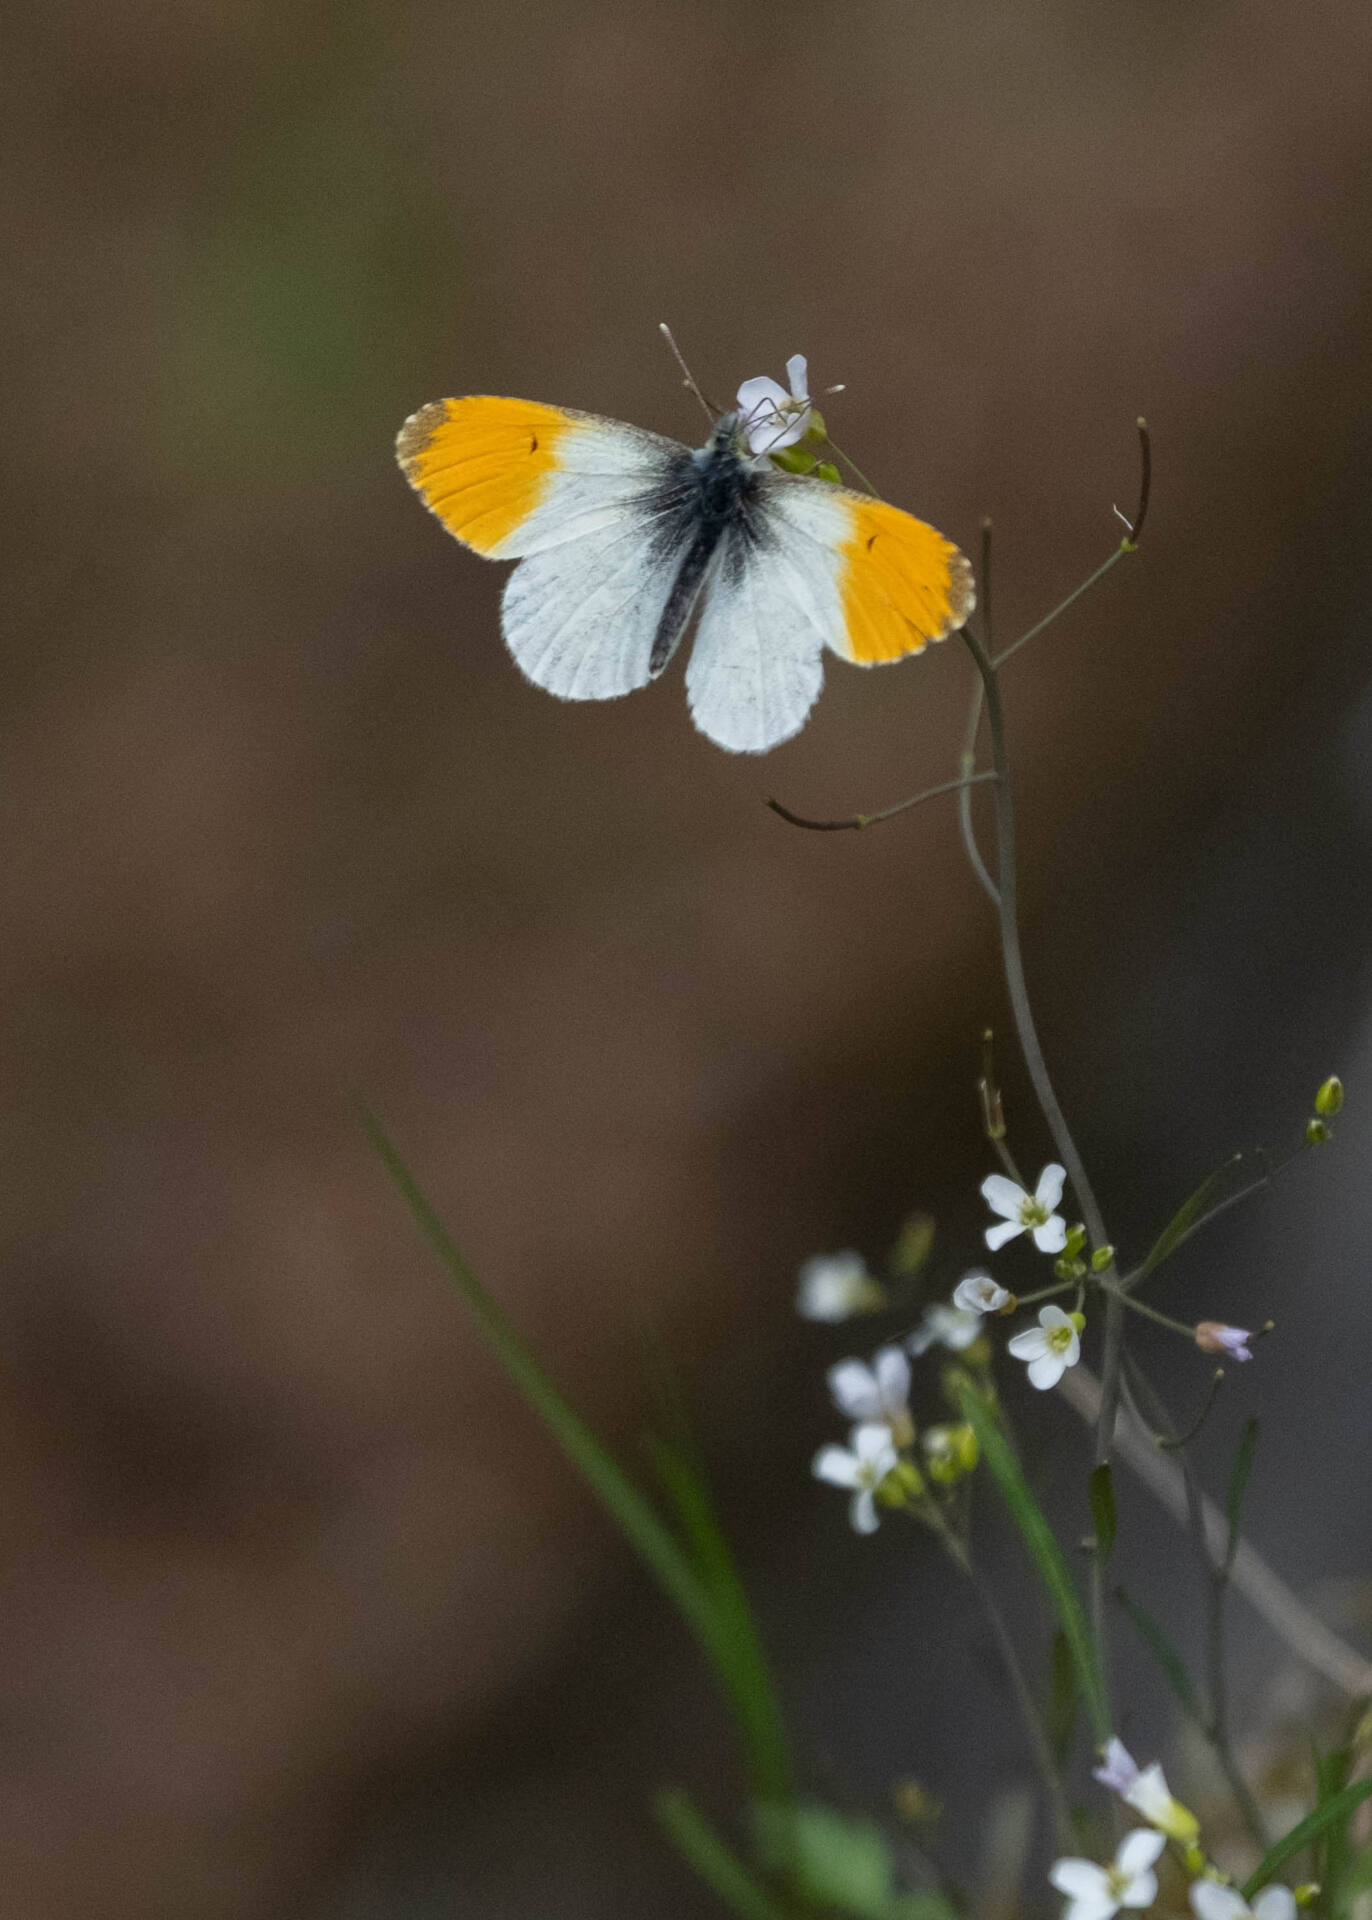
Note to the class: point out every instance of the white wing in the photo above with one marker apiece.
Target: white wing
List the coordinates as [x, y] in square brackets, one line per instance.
[770, 610]
[580, 616]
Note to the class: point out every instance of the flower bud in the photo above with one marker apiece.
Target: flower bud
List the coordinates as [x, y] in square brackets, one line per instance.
[1330, 1096]
[1101, 1258]
[1316, 1132]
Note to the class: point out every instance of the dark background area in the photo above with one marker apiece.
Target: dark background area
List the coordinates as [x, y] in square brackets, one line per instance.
[300, 1613]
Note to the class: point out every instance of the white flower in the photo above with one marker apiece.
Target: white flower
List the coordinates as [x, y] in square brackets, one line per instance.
[1095, 1893]
[1212, 1336]
[1050, 1348]
[1027, 1212]
[1147, 1792]
[1211, 1901]
[978, 1293]
[879, 1392]
[950, 1327]
[834, 1286]
[1118, 1770]
[862, 1465]
[772, 418]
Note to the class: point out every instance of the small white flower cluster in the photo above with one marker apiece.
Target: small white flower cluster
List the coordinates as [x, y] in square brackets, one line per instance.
[1129, 1882]
[878, 1458]
[876, 1462]
[1055, 1343]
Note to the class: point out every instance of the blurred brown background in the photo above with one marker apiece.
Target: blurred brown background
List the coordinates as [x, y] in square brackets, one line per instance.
[301, 1615]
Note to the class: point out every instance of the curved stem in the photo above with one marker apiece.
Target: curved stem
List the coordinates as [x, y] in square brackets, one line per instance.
[1013, 960]
[1019, 1686]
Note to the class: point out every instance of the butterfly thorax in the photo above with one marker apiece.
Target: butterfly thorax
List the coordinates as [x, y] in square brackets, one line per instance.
[707, 513]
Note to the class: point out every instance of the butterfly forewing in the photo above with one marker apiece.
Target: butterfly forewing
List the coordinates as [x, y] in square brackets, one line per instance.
[590, 507]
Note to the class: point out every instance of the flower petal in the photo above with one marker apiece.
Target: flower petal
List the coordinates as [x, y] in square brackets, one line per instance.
[1138, 1850]
[760, 399]
[996, 1237]
[1211, 1901]
[1032, 1344]
[1049, 1189]
[836, 1465]
[892, 1372]
[871, 1443]
[862, 1511]
[1117, 1769]
[854, 1390]
[797, 372]
[1095, 1906]
[1051, 1237]
[1079, 1879]
[1047, 1370]
[979, 1293]
[1141, 1891]
[1002, 1196]
[1275, 1903]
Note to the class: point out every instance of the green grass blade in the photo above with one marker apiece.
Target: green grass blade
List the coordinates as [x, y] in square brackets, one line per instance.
[1357, 1879]
[1043, 1547]
[1179, 1227]
[1337, 1807]
[1238, 1482]
[750, 1682]
[718, 1866]
[1103, 1517]
[1166, 1655]
[693, 1595]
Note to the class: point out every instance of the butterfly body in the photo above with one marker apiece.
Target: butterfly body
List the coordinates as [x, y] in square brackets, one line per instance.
[622, 535]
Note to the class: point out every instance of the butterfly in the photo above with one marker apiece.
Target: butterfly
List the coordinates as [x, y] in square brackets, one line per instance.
[622, 536]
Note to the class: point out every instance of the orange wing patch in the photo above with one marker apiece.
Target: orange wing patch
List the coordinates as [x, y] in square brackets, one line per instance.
[482, 464]
[901, 583]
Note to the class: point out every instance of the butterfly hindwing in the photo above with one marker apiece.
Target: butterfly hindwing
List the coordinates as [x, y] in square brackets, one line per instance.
[819, 566]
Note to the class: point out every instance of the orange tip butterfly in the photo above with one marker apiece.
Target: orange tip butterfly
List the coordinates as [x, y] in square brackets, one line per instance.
[622, 536]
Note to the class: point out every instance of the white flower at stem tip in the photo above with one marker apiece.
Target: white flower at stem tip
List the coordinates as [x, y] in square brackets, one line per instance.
[835, 1286]
[1212, 1336]
[944, 1326]
[1023, 1212]
[979, 1293]
[1095, 1893]
[862, 1465]
[1211, 1901]
[1146, 1791]
[771, 417]
[1118, 1770]
[880, 1392]
[1050, 1348]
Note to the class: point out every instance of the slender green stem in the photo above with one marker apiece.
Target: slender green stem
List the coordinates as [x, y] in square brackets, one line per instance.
[1013, 961]
[1151, 1313]
[1062, 606]
[1151, 1410]
[1028, 1707]
[966, 763]
[859, 820]
[1251, 1187]
[1043, 1293]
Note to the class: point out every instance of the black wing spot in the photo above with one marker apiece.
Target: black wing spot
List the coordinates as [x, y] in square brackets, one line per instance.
[533, 443]
[871, 541]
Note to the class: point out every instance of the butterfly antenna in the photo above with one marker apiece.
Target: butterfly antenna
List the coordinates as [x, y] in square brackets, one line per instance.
[711, 413]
